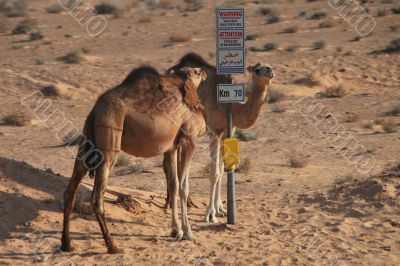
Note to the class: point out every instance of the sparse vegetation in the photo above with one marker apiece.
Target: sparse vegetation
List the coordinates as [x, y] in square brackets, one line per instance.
[35, 35]
[123, 159]
[395, 10]
[14, 8]
[246, 135]
[273, 18]
[389, 126]
[292, 29]
[275, 95]
[194, 5]
[277, 108]
[117, 9]
[265, 11]
[296, 161]
[252, 36]
[74, 56]
[292, 48]
[55, 8]
[327, 23]
[244, 166]
[25, 26]
[356, 38]
[318, 15]
[39, 61]
[351, 117]
[393, 46]
[319, 45]
[177, 38]
[310, 80]
[336, 91]
[19, 119]
[395, 111]
[270, 46]
[382, 12]
[144, 18]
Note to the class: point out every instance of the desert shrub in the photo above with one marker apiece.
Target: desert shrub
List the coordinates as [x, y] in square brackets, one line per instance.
[165, 4]
[74, 56]
[302, 14]
[382, 12]
[277, 108]
[393, 46]
[275, 96]
[310, 80]
[356, 38]
[265, 11]
[273, 18]
[395, 10]
[35, 35]
[336, 91]
[105, 8]
[252, 36]
[270, 46]
[389, 126]
[14, 8]
[244, 166]
[327, 23]
[19, 119]
[292, 29]
[180, 38]
[395, 111]
[24, 26]
[297, 161]
[319, 45]
[246, 135]
[318, 15]
[292, 48]
[123, 159]
[351, 117]
[144, 18]
[194, 5]
[393, 28]
[55, 8]
[39, 61]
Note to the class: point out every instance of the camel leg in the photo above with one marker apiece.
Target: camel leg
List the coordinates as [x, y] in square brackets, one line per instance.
[97, 201]
[172, 181]
[69, 200]
[168, 199]
[214, 151]
[220, 211]
[187, 148]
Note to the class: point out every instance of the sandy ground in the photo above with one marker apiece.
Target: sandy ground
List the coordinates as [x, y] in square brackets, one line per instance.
[324, 212]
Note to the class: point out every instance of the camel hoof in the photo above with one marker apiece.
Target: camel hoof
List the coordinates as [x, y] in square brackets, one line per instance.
[189, 236]
[67, 248]
[176, 234]
[115, 250]
[221, 213]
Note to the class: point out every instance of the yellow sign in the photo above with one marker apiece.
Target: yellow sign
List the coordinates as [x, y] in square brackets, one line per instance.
[231, 153]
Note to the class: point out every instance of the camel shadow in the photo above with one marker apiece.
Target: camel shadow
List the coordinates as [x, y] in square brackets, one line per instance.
[19, 184]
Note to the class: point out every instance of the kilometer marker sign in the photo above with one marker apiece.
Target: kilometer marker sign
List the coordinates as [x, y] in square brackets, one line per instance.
[230, 93]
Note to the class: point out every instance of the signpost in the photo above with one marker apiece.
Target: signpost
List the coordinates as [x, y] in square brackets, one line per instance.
[231, 39]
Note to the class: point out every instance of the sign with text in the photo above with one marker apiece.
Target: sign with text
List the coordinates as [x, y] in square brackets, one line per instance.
[231, 93]
[230, 40]
[228, 18]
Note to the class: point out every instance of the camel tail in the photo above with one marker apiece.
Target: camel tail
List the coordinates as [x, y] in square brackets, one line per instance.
[88, 153]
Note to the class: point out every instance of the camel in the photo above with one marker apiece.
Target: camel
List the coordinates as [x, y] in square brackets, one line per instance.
[244, 116]
[148, 114]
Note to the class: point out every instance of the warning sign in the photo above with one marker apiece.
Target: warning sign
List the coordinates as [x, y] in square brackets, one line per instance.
[231, 39]
[230, 18]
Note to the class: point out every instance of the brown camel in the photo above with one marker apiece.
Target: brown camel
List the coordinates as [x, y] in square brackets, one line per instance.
[244, 116]
[146, 115]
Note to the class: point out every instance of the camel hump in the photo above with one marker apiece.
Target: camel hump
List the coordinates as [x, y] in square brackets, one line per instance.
[143, 72]
[194, 60]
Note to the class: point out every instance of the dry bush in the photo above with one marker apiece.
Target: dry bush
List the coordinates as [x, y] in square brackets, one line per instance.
[336, 91]
[252, 36]
[351, 117]
[123, 159]
[277, 108]
[393, 46]
[292, 29]
[83, 208]
[382, 12]
[270, 46]
[55, 8]
[179, 38]
[35, 35]
[310, 80]
[265, 11]
[74, 56]
[356, 39]
[292, 48]
[273, 18]
[117, 9]
[389, 125]
[39, 61]
[318, 15]
[244, 166]
[319, 45]
[327, 23]
[194, 5]
[144, 18]
[395, 10]
[246, 135]
[14, 8]
[24, 26]
[19, 119]
[275, 95]
[395, 111]
[296, 161]
[129, 203]
[368, 125]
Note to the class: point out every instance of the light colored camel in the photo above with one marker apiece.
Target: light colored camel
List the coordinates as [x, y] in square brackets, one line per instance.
[244, 116]
[146, 115]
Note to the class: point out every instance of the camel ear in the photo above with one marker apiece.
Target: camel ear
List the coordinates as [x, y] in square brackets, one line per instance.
[201, 73]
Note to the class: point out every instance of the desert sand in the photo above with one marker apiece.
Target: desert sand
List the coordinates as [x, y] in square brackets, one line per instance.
[299, 200]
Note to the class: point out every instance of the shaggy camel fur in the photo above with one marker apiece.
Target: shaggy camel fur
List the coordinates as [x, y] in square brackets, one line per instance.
[146, 115]
[244, 116]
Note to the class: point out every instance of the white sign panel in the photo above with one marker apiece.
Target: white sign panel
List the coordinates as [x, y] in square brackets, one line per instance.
[230, 61]
[228, 18]
[231, 39]
[230, 93]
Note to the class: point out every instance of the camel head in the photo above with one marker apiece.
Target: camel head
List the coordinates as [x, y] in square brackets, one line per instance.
[262, 74]
[196, 75]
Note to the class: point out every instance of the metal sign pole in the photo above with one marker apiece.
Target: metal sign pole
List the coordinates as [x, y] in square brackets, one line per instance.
[231, 197]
